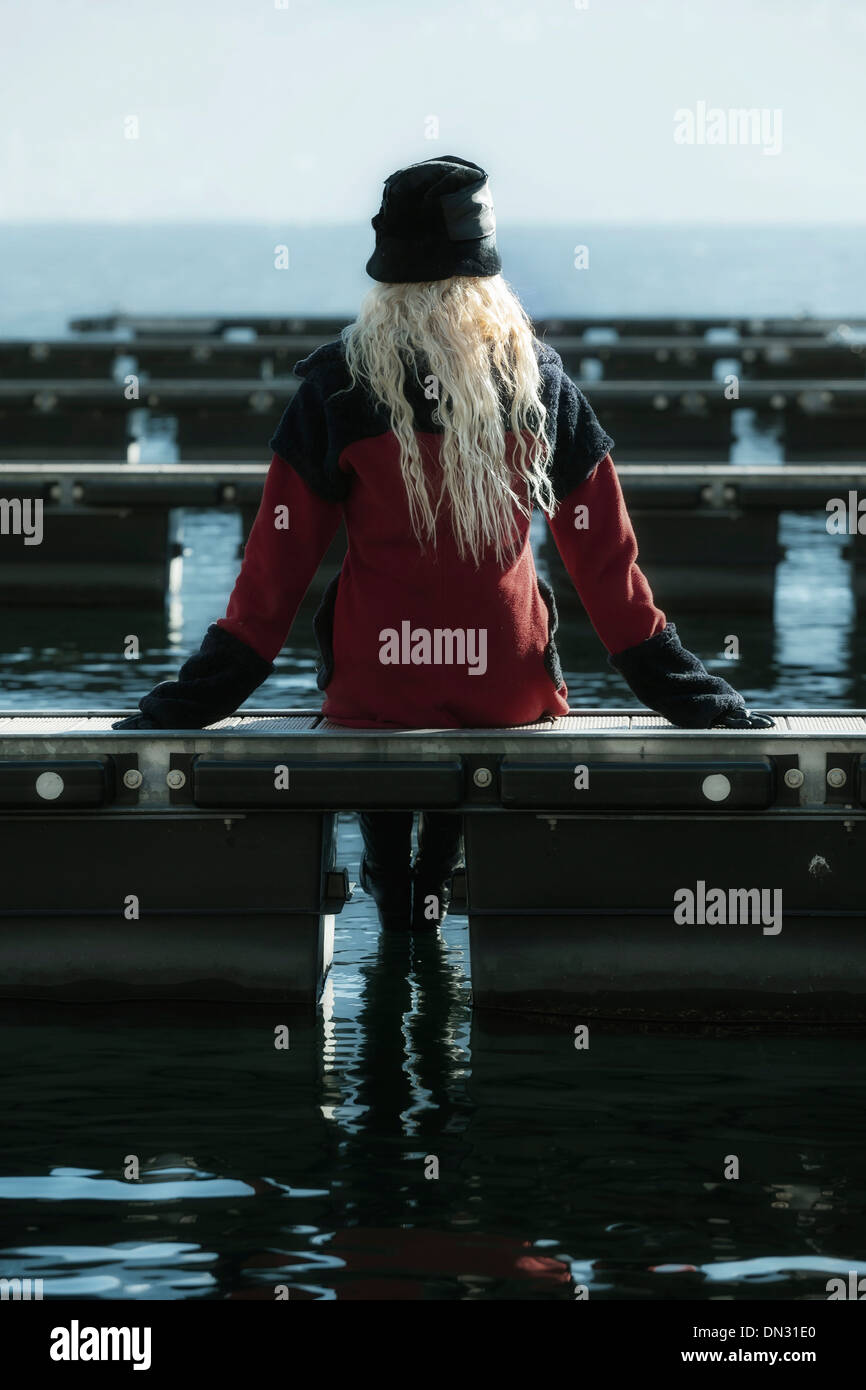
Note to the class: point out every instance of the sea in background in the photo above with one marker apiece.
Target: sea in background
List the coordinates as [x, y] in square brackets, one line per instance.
[307, 1169]
[51, 273]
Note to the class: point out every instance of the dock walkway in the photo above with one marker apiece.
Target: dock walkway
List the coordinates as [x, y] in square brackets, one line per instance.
[615, 865]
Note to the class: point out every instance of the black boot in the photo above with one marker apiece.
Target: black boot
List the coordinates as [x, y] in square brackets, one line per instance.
[392, 894]
[431, 898]
[385, 872]
[439, 855]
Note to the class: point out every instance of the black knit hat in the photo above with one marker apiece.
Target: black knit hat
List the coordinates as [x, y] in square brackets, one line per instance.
[436, 220]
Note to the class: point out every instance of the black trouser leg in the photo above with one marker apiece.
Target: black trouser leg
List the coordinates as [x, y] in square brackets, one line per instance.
[387, 839]
[385, 867]
[440, 843]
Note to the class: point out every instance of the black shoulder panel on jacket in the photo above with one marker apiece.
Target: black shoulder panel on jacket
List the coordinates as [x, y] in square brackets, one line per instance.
[580, 442]
[326, 413]
[328, 365]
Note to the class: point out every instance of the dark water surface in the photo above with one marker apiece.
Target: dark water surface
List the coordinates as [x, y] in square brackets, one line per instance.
[557, 1168]
[307, 1168]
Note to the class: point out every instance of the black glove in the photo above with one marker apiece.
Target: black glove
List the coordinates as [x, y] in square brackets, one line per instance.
[135, 721]
[748, 720]
[674, 683]
[210, 685]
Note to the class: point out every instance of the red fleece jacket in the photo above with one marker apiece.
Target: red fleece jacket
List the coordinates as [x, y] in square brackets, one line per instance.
[401, 613]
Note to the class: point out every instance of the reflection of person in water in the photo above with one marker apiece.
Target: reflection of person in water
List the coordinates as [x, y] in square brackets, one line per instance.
[434, 426]
[389, 1233]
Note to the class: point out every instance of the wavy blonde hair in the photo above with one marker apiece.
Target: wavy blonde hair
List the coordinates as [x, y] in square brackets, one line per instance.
[473, 335]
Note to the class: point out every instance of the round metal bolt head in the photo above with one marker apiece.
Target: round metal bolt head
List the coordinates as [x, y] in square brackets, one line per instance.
[49, 785]
[837, 777]
[716, 787]
[794, 777]
[132, 778]
[482, 776]
[176, 779]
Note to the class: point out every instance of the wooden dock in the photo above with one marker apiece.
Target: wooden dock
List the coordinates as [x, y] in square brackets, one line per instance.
[598, 851]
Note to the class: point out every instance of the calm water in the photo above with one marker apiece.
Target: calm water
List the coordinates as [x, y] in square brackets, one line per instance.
[306, 1168]
[51, 273]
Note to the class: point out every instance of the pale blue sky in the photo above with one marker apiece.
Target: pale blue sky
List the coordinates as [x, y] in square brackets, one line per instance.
[252, 113]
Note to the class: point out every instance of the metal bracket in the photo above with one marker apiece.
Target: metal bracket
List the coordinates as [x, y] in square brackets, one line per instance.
[719, 495]
[786, 794]
[125, 791]
[481, 779]
[459, 899]
[180, 766]
[842, 778]
[337, 890]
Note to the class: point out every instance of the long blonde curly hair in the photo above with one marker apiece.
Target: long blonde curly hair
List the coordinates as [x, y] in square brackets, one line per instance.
[473, 335]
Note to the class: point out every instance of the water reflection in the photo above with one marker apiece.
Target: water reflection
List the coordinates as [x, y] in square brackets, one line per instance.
[401, 1149]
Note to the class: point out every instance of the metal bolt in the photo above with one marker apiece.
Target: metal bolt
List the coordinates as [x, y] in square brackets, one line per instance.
[794, 777]
[49, 785]
[716, 787]
[132, 778]
[482, 776]
[176, 779]
[837, 777]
